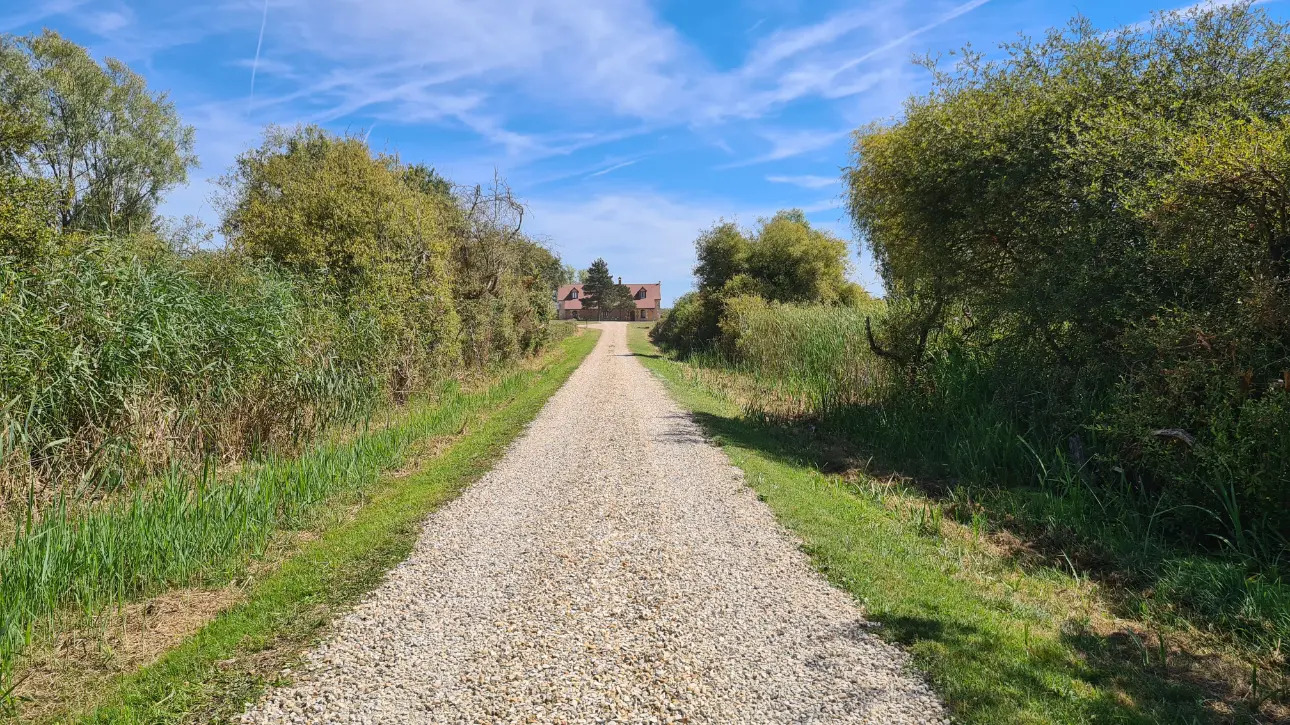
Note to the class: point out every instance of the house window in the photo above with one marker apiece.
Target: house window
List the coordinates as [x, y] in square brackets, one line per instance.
[640, 295]
[573, 294]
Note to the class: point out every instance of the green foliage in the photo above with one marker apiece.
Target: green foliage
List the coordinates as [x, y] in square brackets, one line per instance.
[504, 282]
[783, 260]
[598, 285]
[27, 219]
[600, 292]
[108, 146]
[722, 253]
[113, 366]
[689, 326]
[617, 299]
[1095, 226]
[323, 207]
[788, 261]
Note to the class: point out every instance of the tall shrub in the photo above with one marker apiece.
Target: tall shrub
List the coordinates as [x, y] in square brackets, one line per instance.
[1098, 221]
[324, 207]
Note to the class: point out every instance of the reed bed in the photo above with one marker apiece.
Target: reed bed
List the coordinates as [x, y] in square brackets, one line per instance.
[116, 365]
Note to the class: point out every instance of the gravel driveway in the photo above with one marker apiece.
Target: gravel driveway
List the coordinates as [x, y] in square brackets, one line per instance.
[612, 568]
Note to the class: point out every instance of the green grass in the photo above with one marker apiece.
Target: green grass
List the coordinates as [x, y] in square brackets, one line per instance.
[212, 673]
[1000, 643]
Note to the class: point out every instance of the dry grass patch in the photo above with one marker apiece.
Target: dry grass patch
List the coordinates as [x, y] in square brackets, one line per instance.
[60, 672]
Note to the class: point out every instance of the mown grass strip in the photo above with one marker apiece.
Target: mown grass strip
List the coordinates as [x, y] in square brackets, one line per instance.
[1000, 646]
[212, 674]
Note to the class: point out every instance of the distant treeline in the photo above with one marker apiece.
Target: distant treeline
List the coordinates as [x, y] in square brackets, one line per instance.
[347, 279]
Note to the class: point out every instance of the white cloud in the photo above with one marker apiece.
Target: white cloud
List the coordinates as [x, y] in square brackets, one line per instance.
[614, 54]
[37, 12]
[788, 143]
[601, 63]
[108, 22]
[806, 181]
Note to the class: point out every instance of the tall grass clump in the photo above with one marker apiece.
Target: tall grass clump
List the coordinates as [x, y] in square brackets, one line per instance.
[116, 364]
[811, 357]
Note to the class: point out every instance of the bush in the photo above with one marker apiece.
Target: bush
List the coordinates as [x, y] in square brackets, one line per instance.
[1092, 223]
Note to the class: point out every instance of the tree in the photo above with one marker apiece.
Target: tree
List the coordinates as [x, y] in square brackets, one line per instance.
[618, 299]
[722, 253]
[784, 260]
[597, 286]
[108, 146]
[791, 262]
[600, 292]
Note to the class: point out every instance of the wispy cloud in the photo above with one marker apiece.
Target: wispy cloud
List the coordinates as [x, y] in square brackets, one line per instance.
[109, 21]
[616, 61]
[788, 143]
[955, 12]
[806, 181]
[37, 12]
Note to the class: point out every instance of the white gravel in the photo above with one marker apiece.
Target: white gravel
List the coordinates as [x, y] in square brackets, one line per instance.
[612, 568]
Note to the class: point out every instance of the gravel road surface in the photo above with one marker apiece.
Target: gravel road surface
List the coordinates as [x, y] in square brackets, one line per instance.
[612, 568]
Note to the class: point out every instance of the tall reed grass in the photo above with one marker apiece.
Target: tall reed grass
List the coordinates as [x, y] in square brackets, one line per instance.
[116, 365]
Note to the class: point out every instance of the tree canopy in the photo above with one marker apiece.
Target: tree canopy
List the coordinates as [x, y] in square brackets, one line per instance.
[109, 148]
[784, 259]
[324, 207]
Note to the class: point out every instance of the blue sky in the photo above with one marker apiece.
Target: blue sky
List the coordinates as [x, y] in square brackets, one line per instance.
[627, 126]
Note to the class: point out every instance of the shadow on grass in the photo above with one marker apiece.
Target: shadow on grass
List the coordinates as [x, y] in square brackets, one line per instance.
[983, 662]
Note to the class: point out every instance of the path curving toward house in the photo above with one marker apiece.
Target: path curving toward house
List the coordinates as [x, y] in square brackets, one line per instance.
[612, 568]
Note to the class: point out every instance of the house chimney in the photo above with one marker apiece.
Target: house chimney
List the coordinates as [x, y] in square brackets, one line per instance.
[620, 280]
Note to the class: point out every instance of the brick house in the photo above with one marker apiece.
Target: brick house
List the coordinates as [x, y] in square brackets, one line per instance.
[568, 304]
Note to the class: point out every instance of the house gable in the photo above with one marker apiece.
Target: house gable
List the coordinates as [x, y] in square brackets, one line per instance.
[646, 296]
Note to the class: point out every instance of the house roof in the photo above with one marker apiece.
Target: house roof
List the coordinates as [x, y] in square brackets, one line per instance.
[651, 300]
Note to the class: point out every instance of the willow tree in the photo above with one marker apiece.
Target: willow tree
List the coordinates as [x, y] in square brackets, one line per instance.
[107, 145]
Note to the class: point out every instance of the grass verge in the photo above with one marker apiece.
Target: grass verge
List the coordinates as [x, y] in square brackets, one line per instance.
[212, 674]
[999, 640]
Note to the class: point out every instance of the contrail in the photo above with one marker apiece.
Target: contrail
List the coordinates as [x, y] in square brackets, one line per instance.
[615, 167]
[953, 13]
[264, 20]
